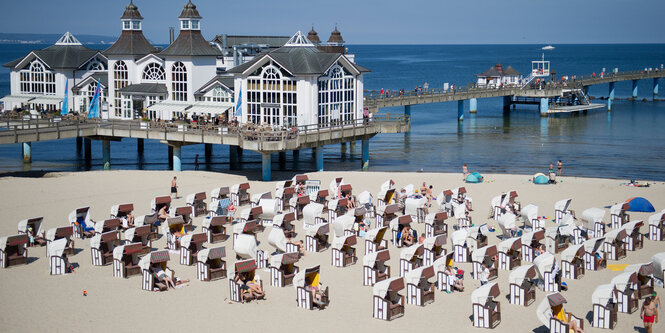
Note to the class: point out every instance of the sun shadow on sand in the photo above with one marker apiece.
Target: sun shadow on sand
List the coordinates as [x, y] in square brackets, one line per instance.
[24, 174]
[589, 317]
[640, 329]
[32, 259]
[541, 329]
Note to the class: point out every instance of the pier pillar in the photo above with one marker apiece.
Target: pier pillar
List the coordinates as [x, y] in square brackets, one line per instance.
[318, 158]
[265, 167]
[27, 152]
[233, 157]
[473, 105]
[139, 146]
[635, 89]
[343, 149]
[177, 156]
[352, 147]
[282, 160]
[365, 149]
[88, 149]
[585, 89]
[239, 151]
[106, 154]
[610, 98]
[296, 154]
[407, 110]
[208, 150]
[79, 144]
[507, 100]
[460, 110]
[544, 106]
[655, 88]
[170, 157]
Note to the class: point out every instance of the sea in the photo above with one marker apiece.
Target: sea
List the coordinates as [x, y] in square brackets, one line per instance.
[626, 143]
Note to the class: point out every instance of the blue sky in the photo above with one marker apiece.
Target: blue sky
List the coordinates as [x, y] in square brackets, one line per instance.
[364, 21]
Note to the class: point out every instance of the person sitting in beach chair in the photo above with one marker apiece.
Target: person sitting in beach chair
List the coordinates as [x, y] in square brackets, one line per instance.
[162, 276]
[248, 287]
[408, 236]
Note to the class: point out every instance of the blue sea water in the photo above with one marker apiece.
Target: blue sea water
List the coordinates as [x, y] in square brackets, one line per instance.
[627, 143]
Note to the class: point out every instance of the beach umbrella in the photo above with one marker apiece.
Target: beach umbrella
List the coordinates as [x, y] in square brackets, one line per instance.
[639, 204]
[540, 179]
[474, 178]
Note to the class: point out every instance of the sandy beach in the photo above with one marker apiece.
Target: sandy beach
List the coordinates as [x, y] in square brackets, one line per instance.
[32, 300]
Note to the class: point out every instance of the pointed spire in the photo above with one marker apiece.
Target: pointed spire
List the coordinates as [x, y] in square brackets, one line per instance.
[190, 11]
[68, 39]
[335, 37]
[299, 40]
[131, 12]
[313, 36]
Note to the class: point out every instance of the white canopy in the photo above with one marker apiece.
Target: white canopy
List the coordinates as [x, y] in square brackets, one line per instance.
[615, 234]
[603, 294]
[529, 213]
[83, 212]
[641, 269]
[392, 284]
[277, 259]
[593, 245]
[506, 245]
[658, 260]
[544, 263]
[236, 188]
[338, 242]
[214, 253]
[311, 212]
[495, 202]
[528, 237]
[521, 273]
[129, 233]
[36, 222]
[278, 220]
[344, 222]
[656, 218]
[479, 254]
[508, 221]
[457, 191]
[544, 312]
[57, 247]
[375, 233]
[411, 205]
[332, 204]
[618, 208]
[333, 186]
[430, 242]
[371, 258]
[413, 276]
[409, 189]
[591, 216]
[51, 233]
[277, 239]
[245, 246]
[387, 185]
[478, 230]
[631, 226]
[364, 198]
[218, 192]
[431, 218]
[624, 280]
[411, 251]
[117, 252]
[562, 205]
[460, 211]
[256, 197]
[441, 263]
[153, 258]
[96, 241]
[458, 237]
[444, 199]
[483, 293]
[317, 229]
[270, 208]
[572, 251]
[392, 209]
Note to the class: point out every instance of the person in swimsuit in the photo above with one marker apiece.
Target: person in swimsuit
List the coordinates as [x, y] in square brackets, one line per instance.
[655, 299]
[174, 188]
[559, 165]
[161, 275]
[649, 314]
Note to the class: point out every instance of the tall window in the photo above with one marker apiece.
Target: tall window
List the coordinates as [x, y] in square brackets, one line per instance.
[154, 72]
[37, 80]
[336, 97]
[179, 79]
[271, 98]
[120, 80]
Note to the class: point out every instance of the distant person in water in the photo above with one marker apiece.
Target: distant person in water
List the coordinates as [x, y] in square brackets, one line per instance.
[559, 166]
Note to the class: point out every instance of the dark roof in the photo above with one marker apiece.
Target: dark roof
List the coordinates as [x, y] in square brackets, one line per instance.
[189, 11]
[271, 41]
[299, 60]
[61, 56]
[102, 77]
[498, 71]
[131, 12]
[335, 37]
[313, 37]
[132, 43]
[511, 71]
[190, 43]
[145, 88]
[225, 80]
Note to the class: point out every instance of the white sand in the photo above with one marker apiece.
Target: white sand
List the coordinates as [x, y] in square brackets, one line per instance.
[32, 300]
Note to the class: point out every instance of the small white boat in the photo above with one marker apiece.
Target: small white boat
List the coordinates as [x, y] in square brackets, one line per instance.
[548, 48]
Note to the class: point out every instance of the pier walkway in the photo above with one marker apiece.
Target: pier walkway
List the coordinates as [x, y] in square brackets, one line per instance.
[542, 96]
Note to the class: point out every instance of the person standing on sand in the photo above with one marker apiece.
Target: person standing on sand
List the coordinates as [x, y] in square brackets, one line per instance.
[465, 171]
[649, 314]
[551, 168]
[174, 188]
[559, 165]
[196, 162]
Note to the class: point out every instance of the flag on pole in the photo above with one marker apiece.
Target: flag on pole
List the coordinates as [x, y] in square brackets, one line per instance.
[93, 109]
[239, 105]
[65, 103]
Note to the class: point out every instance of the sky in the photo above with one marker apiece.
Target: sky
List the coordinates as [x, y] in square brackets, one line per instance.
[363, 21]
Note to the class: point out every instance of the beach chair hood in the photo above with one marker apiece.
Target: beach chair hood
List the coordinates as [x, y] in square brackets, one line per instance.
[277, 260]
[214, 221]
[108, 224]
[521, 273]
[435, 241]
[411, 205]
[334, 184]
[394, 284]
[239, 187]
[619, 208]
[187, 240]
[483, 293]
[35, 222]
[544, 263]
[443, 262]
[300, 279]
[63, 231]
[644, 269]
[656, 219]
[593, 245]
[270, 208]
[409, 189]
[486, 251]
[163, 200]
[460, 211]
[17, 240]
[243, 266]
[211, 254]
[631, 226]
[376, 234]
[57, 247]
[529, 237]
[591, 216]
[658, 261]
[311, 212]
[364, 198]
[220, 192]
[96, 240]
[245, 246]
[131, 248]
[616, 234]
[317, 229]
[281, 220]
[154, 258]
[603, 294]
[544, 310]
[475, 232]
[508, 221]
[571, 252]
[277, 239]
[83, 212]
[505, 246]
[412, 251]
[344, 222]
[624, 280]
[529, 213]
[387, 185]
[387, 209]
[191, 198]
[433, 218]
[562, 205]
[371, 258]
[459, 237]
[175, 222]
[415, 275]
[339, 242]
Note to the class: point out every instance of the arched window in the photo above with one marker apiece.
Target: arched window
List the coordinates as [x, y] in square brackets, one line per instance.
[271, 98]
[120, 80]
[179, 79]
[37, 80]
[37, 77]
[154, 72]
[336, 97]
[96, 65]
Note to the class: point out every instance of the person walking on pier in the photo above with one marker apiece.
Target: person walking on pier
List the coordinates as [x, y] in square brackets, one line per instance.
[174, 188]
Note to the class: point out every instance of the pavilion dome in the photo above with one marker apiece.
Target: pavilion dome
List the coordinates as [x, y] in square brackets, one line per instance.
[131, 12]
[189, 11]
[313, 36]
[336, 37]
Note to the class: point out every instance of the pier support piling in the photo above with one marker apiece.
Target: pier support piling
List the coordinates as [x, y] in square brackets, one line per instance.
[507, 101]
[473, 105]
[88, 149]
[343, 149]
[177, 156]
[265, 167]
[79, 145]
[407, 110]
[233, 157]
[106, 153]
[139, 146]
[544, 106]
[352, 147]
[635, 89]
[208, 150]
[27, 152]
[318, 158]
[655, 88]
[460, 110]
[365, 153]
[610, 98]
[282, 160]
[585, 89]
[170, 157]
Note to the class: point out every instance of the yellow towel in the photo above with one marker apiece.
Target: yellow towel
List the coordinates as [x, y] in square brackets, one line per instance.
[617, 267]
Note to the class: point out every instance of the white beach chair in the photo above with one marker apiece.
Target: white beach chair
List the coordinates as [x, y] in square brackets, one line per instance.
[522, 286]
[530, 217]
[545, 268]
[102, 246]
[310, 277]
[375, 240]
[190, 245]
[557, 239]
[445, 201]
[614, 246]
[556, 322]
[618, 216]
[121, 211]
[246, 247]
[33, 228]
[54, 234]
[396, 227]
[463, 220]
[14, 250]
[410, 257]
[593, 247]
[374, 267]
[531, 241]
[140, 235]
[645, 281]
[126, 260]
[81, 222]
[592, 221]
[239, 194]
[58, 262]
[247, 267]
[387, 303]
[433, 249]
[316, 237]
[169, 228]
[604, 308]
[385, 214]
[435, 224]
[460, 248]
[416, 208]
[634, 239]
[149, 281]
[210, 264]
[508, 225]
[484, 256]
[387, 193]
[444, 280]
[486, 307]
[157, 203]
[561, 209]
[283, 268]
[509, 253]
[657, 226]
[625, 294]
[419, 290]
[658, 261]
[215, 228]
[343, 253]
[219, 201]
[365, 200]
[572, 262]
[197, 202]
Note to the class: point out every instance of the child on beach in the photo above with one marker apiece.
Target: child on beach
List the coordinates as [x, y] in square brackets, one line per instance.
[174, 188]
